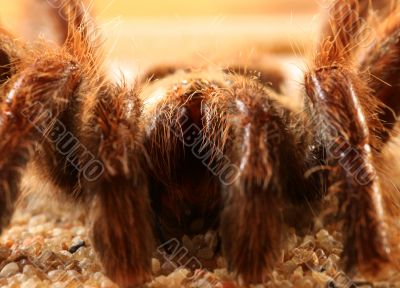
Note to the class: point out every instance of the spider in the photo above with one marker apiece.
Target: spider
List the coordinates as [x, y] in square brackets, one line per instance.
[221, 146]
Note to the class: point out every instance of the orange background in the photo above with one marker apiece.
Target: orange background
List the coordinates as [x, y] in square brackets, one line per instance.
[143, 33]
[181, 8]
[202, 7]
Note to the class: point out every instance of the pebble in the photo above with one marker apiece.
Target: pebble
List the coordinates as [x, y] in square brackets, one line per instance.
[289, 266]
[33, 245]
[29, 270]
[3, 282]
[211, 239]
[65, 255]
[312, 261]
[155, 266]
[44, 240]
[106, 283]
[32, 282]
[4, 253]
[167, 268]
[56, 275]
[297, 274]
[321, 278]
[80, 254]
[322, 234]
[198, 242]
[9, 270]
[76, 246]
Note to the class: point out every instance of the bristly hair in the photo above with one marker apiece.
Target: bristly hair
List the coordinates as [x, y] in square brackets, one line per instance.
[340, 95]
[382, 62]
[11, 51]
[163, 147]
[342, 31]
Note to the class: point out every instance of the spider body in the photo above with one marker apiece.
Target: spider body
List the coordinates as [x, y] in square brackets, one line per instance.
[180, 179]
[207, 150]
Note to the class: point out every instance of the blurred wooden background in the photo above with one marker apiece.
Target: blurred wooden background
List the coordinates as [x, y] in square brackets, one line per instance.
[156, 8]
[139, 34]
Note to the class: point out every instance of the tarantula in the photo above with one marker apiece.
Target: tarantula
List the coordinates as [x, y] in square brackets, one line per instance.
[216, 145]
